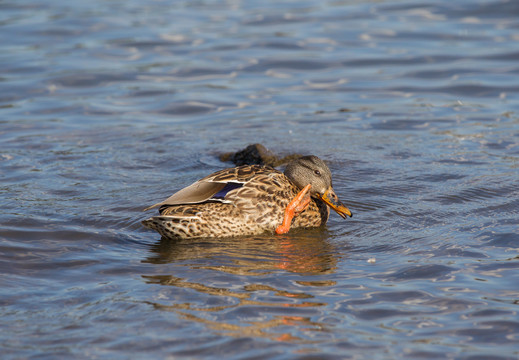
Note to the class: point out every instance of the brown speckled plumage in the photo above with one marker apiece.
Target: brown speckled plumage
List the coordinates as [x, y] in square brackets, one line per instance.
[245, 200]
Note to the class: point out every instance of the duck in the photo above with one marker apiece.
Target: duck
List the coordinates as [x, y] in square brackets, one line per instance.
[250, 200]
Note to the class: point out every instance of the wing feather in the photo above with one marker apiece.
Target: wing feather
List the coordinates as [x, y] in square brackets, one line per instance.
[211, 185]
[193, 194]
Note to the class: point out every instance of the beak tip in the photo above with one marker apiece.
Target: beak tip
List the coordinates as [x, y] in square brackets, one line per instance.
[344, 213]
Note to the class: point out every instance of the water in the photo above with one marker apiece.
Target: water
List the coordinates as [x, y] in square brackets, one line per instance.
[108, 107]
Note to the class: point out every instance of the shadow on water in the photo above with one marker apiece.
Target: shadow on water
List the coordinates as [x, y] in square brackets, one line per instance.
[261, 278]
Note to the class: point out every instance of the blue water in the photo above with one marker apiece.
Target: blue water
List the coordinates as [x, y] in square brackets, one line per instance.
[109, 107]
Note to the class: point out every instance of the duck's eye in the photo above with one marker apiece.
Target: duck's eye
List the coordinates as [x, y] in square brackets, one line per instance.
[317, 172]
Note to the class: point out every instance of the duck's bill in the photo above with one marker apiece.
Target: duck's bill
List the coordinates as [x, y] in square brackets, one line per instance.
[332, 201]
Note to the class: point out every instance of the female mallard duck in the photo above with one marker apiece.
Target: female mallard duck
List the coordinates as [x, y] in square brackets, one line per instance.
[250, 199]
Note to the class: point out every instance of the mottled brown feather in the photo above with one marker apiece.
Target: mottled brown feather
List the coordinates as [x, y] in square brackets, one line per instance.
[256, 207]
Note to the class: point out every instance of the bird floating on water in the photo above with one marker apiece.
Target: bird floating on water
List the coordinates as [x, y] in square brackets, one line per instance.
[249, 200]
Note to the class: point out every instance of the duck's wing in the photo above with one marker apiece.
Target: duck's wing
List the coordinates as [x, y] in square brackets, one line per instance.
[195, 193]
[214, 187]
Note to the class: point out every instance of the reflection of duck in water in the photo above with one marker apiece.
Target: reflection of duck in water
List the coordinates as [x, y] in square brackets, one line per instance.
[308, 252]
[221, 277]
[250, 199]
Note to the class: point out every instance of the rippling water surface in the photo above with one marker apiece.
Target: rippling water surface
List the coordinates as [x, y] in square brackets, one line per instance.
[109, 106]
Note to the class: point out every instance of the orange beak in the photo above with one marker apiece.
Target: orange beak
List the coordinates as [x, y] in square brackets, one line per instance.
[332, 201]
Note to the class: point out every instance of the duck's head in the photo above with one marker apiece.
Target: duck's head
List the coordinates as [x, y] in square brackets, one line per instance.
[312, 170]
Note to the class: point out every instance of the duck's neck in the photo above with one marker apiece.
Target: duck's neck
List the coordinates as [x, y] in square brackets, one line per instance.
[324, 210]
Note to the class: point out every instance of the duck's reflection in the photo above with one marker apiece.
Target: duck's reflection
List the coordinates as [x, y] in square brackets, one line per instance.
[246, 285]
[306, 253]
